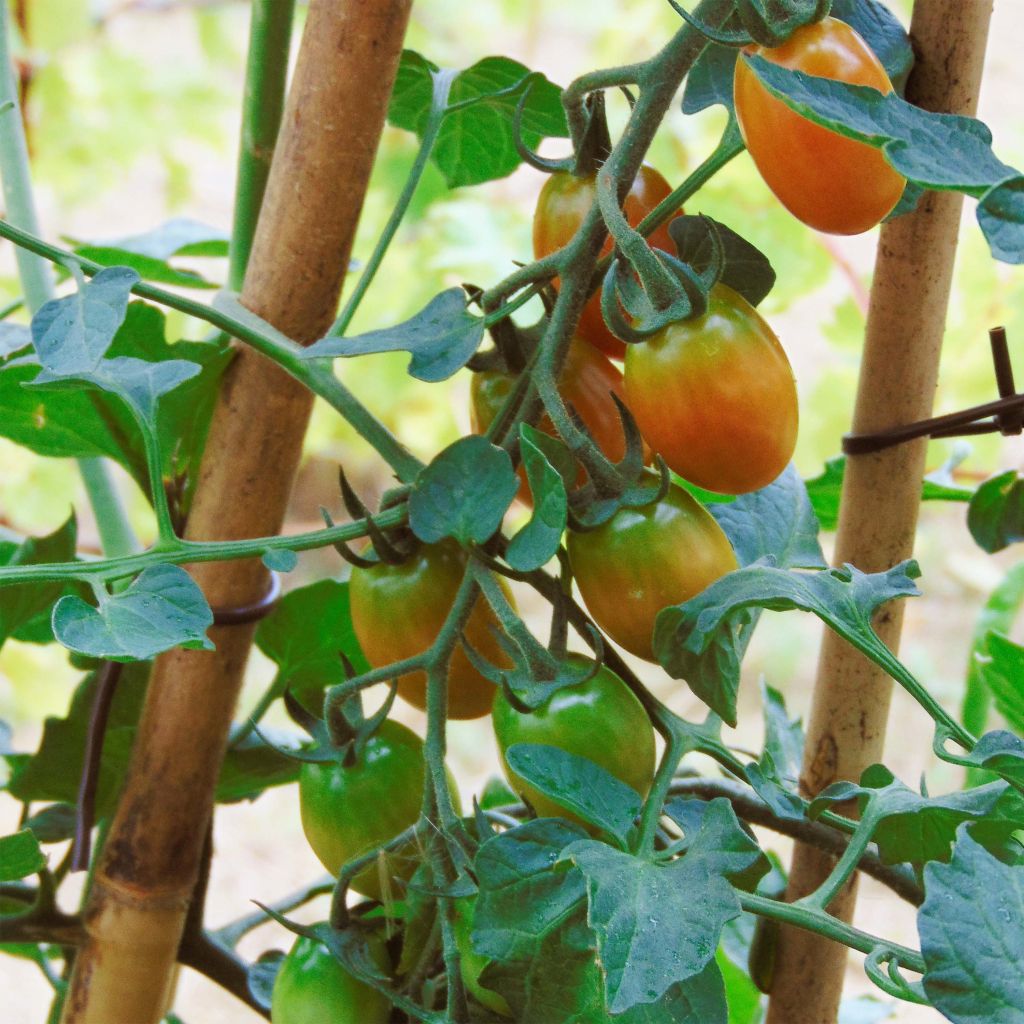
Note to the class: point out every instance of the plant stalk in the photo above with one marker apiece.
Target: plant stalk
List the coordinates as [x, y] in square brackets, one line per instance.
[266, 73]
[321, 166]
[881, 491]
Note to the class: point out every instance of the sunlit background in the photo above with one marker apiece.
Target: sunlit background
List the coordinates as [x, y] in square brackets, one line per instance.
[133, 115]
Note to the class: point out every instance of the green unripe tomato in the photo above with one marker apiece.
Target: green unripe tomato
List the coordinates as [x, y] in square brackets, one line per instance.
[313, 988]
[600, 719]
[349, 809]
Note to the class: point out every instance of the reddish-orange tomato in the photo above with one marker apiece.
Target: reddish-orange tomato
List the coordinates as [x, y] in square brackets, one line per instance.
[828, 181]
[645, 559]
[715, 396]
[397, 612]
[587, 382]
[564, 202]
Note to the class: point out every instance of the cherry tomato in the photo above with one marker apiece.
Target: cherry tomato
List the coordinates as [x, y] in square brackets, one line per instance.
[349, 809]
[600, 719]
[397, 612]
[587, 382]
[564, 202]
[828, 181]
[645, 559]
[312, 987]
[715, 396]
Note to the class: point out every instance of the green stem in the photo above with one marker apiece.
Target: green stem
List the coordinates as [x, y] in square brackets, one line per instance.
[181, 552]
[248, 328]
[38, 285]
[116, 536]
[266, 72]
[846, 865]
[675, 747]
[817, 921]
[442, 83]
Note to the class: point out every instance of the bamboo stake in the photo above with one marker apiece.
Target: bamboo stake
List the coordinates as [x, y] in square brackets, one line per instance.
[142, 887]
[881, 492]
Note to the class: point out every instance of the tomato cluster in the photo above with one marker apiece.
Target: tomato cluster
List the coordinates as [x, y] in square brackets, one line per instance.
[714, 397]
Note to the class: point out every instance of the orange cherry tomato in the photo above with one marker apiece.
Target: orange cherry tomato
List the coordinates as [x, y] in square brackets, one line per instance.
[397, 612]
[715, 396]
[832, 183]
[564, 202]
[645, 559]
[587, 382]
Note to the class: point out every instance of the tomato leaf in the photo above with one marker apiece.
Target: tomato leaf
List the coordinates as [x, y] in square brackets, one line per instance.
[53, 772]
[148, 253]
[651, 933]
[72, 334]
[995, 515]
[20, 856]
[475, 142]
[998, 751]
[305, 634]
[709, 81]
[971, 926]
[936, 151]
[585, 788]
[463, 493]
[696, 641]
[261, 975]
[911, 827]
[537, 542]
[163, 608]
[883, 32]
[775, 776]
[1001, 668]
[778, 520]
[441, 337]
[25, 608]
[746, 270]
[53, 824]
[252, 766]
[826, 489]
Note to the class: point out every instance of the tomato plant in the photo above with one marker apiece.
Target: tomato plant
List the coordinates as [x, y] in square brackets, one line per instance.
[365, 798]
[587, 382]
[599, 719]
[397, 611]
[715, 396]
[832, 183]
[626, 870]
[311, 987]
[563, 203]
[644, 559]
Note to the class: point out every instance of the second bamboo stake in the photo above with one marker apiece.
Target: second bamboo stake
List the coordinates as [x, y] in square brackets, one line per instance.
[881, 491]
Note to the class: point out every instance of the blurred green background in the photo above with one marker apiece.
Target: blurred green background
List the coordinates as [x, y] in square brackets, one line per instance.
[133, 115]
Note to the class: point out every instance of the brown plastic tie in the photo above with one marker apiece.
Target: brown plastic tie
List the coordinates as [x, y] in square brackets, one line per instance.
[1005, 415]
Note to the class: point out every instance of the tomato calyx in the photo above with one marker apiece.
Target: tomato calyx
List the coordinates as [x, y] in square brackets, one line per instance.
[756, 25]
[591, 507]
[645, 289]
[596, 144]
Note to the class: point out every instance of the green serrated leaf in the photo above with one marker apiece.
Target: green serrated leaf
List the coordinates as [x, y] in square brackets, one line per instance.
[585, 788]
[696, 641]
[971, 926]
[995, 515]
[25, 608]
[651, 933]
[441, 337]
[163, 608]
[1002, 670]
[1001, 216]
[20, 856]
[537, 542]
[747, 270]
[464, 493]
[306, 634]
[72, 334]
[53, 772]
[777, 520]
[475, 142]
